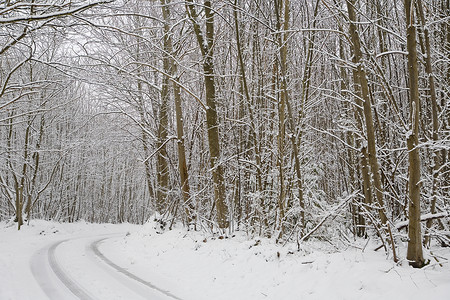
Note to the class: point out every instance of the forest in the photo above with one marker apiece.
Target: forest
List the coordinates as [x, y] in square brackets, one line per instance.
[288, 119]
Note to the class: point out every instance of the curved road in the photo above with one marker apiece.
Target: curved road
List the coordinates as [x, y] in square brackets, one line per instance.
[77, 269]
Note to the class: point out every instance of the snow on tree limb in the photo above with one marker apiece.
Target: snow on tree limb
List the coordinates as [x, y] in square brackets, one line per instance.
[424, 217]
[57, 14]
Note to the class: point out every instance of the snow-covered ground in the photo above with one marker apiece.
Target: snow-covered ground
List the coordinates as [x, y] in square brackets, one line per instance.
[101, 261]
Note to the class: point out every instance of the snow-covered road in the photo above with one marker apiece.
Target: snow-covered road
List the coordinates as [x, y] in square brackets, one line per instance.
[63, 262]
[61, 270]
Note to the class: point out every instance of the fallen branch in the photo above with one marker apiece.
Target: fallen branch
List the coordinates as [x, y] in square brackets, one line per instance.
[429, 216]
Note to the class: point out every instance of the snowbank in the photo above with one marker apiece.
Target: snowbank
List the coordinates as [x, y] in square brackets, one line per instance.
[194, 266]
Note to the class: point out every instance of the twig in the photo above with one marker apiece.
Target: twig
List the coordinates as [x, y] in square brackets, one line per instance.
[306, 236]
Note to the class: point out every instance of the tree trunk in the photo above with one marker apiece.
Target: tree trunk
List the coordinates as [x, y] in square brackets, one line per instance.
[361, 80]
[182, 166]
[435, 121]
[414, 255]
[212, 125]
[281, 61]
[162, 166]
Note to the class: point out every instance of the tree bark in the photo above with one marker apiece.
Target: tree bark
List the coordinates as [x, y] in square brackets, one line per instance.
[182, 166]
[361, 80]
[212, 125]
[414, 253]
[162, 166]
[434, 113]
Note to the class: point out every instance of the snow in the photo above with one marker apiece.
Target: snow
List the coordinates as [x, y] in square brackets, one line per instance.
[24, 253]
[196, 265]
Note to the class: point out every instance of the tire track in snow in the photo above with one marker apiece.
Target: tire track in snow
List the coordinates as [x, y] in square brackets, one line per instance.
[39, 265]
[76, 289]
[94, 247]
